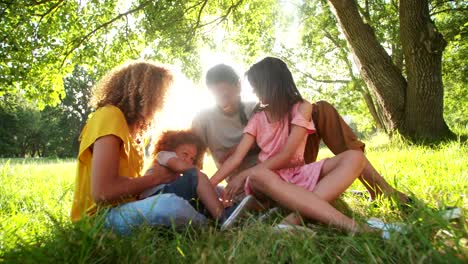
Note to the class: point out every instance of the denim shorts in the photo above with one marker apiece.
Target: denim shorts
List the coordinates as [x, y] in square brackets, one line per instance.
[159, 210]
[185, 186]
[175, 203]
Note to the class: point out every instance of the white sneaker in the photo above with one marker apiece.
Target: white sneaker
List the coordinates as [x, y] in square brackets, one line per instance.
[387, 228]
[269, 213]
[451, 213]
[293, 228]
[247, 203]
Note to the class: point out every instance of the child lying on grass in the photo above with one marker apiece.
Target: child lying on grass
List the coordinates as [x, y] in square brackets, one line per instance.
[182, 152]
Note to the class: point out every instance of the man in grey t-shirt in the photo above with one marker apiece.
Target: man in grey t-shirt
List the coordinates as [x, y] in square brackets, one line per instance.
[221, 127]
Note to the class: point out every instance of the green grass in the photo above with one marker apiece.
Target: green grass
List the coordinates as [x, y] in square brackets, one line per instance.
[35, 198]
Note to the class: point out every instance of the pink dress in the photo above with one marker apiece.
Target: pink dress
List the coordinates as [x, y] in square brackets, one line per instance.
[271, 138]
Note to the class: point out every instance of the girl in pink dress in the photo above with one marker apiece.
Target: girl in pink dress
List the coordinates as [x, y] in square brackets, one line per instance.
[280, 127]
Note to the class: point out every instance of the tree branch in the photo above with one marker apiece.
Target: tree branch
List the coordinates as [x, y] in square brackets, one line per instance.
[306, 74]
[218, 20]
[197, 23]
[317, 79]
[49, 11]
[224, 17]
[35, 3]
[343, 52]
[104, 25]
[79, 41]
[195, 5]
[440, 3]
[447, 10]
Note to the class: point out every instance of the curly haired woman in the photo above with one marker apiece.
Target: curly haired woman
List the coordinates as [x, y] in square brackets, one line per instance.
[110, 158]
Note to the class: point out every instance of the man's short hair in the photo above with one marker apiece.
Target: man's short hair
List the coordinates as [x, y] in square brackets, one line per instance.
[221, 73]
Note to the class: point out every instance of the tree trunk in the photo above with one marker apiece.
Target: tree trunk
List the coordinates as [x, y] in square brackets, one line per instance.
[375, 65]
[373, 111]
[415, 108]
[422, 47]
[356, 82]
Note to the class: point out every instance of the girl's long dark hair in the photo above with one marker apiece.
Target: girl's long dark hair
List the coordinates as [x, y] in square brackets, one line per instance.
[274, 85]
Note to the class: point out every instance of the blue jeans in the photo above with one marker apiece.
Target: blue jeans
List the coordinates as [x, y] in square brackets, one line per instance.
[159, 210]
[184, 186]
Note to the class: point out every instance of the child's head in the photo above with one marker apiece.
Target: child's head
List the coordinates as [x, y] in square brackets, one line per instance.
[224, 83]
[137, 88]
[186, 144]
[273, 83]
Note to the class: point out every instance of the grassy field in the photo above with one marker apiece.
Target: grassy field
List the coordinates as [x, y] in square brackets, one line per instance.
[35, 198]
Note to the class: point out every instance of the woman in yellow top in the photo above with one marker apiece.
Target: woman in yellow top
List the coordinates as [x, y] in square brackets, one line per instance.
[110, 158]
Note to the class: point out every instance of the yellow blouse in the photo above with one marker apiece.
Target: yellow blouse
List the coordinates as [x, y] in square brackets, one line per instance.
[107, 120]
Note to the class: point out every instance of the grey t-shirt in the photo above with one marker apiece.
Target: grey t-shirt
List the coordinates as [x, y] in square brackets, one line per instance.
[221, 132]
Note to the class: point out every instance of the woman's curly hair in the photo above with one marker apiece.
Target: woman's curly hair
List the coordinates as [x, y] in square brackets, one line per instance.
[137, 88]
[171, 139]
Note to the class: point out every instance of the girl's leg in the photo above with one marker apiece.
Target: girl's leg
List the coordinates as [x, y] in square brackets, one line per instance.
[296, 198]
[338, 173]
[208, 197]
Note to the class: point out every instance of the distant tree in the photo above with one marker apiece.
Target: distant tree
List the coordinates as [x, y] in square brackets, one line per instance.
[26, 131]
[20, 127]
[62, 124]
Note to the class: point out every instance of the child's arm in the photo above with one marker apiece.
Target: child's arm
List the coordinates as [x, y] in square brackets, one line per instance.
[234, 160]
[171, 161]
[283, 158]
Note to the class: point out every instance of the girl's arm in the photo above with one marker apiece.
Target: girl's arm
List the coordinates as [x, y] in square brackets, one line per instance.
[106, 183]
[283, 159]
[234, 160]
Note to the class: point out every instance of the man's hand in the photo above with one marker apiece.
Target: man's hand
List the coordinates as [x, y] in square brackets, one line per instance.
[161, 174]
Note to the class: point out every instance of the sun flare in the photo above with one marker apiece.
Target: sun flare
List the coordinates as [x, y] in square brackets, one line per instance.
[185, 99]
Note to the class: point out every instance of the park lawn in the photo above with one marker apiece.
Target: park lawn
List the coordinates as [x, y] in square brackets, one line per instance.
[35, 198]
